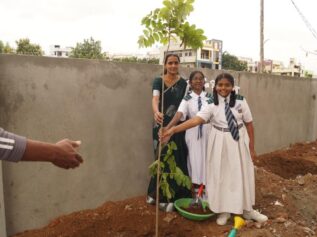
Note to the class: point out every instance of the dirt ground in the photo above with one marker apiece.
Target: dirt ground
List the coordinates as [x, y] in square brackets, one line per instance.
[286, 191]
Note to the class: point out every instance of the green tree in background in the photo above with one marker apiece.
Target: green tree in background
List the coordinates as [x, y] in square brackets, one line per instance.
[24, 46]
[8, 49]
[168, 22]
[308, 74]
[231, 62]
[1, 46]
[5, 48]
[88, 49]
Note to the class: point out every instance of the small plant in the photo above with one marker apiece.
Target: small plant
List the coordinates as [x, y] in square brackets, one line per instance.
[169, 172]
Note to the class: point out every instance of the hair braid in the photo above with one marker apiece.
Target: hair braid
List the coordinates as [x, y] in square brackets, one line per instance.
[232, 98]
[215, 95]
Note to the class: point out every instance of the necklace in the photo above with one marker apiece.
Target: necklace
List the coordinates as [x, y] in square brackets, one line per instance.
[170, 82]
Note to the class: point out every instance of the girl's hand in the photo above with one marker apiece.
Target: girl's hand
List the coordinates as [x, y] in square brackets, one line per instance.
[158, 117]
[166, 135]
[162, 131]
[253, 155]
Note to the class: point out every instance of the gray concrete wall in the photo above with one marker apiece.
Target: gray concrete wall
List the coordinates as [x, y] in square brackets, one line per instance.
[108, 106]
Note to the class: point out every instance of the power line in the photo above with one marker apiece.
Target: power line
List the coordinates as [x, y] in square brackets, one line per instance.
[309, 26]
[307, 52]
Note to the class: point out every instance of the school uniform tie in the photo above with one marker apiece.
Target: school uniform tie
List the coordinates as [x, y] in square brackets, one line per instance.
[200, 128]
[232, 122]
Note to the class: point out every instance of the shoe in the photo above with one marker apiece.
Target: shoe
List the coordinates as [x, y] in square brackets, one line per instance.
[150, 200]
[223, 218]
[254, 215]
[167, 207]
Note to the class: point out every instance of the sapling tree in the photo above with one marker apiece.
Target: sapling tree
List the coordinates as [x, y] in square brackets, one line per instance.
[162, 25]
[169, 171]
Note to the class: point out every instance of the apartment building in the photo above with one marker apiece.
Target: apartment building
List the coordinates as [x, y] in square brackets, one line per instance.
[209, 56]
[58, 51]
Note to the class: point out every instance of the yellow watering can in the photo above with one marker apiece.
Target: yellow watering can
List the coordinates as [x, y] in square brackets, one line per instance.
[238, 224]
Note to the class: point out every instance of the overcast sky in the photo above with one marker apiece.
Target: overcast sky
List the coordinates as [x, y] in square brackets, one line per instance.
[116, 23]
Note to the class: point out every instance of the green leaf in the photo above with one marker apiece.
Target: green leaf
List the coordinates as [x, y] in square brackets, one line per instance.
[153, 168]
[156, 37]
[162, 165]
[172, 164]
[173, 145]
[146, 33]
[148, 22]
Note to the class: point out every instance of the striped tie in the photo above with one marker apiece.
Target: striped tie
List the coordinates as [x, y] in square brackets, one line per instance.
[232, 122]
[200, 129]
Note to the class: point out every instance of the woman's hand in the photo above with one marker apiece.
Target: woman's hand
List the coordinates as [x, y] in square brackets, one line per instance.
[158, 117]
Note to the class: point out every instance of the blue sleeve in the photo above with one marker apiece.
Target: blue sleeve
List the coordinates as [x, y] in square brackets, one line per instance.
[12, 146]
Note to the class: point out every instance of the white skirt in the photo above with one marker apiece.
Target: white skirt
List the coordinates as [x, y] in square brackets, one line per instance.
[197, 153]
[230, 173]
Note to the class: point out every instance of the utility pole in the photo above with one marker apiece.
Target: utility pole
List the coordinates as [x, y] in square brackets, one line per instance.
[261, 68]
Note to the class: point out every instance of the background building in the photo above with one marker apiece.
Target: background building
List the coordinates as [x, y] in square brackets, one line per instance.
[276, 67]
[209, 56]
[58, 51]
[294, 69]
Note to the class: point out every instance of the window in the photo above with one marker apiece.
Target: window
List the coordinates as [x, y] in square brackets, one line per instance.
[205, 54]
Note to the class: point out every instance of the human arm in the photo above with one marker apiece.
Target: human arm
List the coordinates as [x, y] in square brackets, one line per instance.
[193, 122]
[158, 116]
[15, 148]
[250, 130]
[180, 115]
[62, 154]
[247, 118]
[156, 90]
[177, 117]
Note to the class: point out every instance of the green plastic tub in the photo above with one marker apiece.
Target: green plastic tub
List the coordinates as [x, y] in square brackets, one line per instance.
[184, 203]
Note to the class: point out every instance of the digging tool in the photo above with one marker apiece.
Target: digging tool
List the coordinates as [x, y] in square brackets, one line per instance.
[238, 224]
[197, 202]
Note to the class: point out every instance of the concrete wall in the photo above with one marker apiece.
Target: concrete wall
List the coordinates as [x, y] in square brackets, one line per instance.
[108, 106]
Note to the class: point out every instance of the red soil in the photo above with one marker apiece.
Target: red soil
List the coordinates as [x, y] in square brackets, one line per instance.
[286, 191]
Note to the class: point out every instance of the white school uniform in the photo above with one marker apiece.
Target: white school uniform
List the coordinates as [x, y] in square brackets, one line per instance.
[230, 172]
[197, 147]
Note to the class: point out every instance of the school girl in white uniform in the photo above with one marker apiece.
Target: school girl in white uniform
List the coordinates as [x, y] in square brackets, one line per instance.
[230, 171]
[196, 137]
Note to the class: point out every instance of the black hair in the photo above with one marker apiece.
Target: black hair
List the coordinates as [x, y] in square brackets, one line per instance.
[193, 73]
[166, 58]
[230, 78]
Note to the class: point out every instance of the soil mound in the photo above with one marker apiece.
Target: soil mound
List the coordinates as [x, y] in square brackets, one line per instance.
[286, 191]
[298, 159]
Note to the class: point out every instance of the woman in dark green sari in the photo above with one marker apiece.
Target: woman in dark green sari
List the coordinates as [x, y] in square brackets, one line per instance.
[174, 91]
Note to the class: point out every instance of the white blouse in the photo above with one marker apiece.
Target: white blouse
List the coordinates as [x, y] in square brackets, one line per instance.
[216, 113]
[189, 108]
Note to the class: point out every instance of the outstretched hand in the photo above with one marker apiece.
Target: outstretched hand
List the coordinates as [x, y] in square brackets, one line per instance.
[67, 155]
[165, 135]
